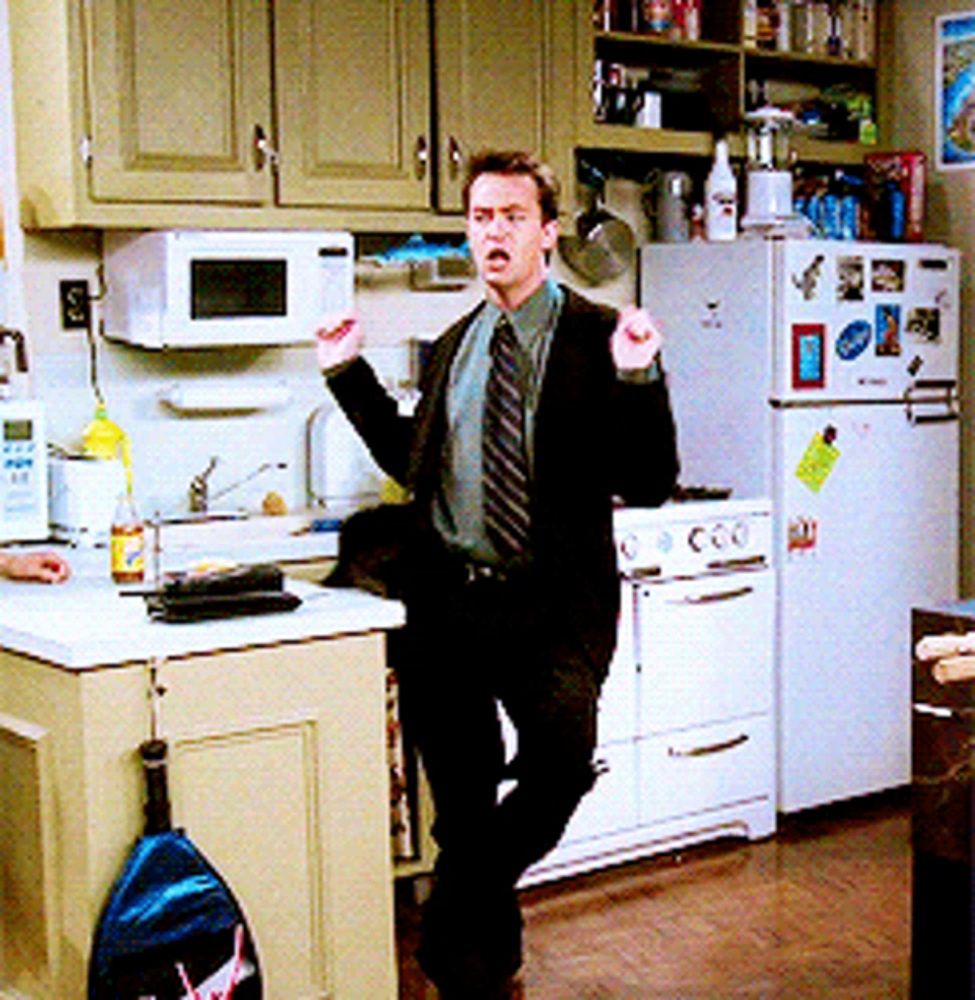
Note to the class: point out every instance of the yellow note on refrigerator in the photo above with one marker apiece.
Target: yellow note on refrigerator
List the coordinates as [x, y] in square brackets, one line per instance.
[817, 462]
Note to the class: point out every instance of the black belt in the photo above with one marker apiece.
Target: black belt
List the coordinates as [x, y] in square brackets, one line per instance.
[474, 572]
[467, 572]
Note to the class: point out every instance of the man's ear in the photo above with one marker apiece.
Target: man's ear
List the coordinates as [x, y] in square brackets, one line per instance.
[550, 234]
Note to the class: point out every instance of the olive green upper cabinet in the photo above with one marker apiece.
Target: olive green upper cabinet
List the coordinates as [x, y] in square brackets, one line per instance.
[225, 113]
[132, 101]
[180, 100]
[353, 102]
[503, 80]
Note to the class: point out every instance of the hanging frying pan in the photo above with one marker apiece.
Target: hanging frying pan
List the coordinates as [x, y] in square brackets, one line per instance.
[171, 928]
[603, 245]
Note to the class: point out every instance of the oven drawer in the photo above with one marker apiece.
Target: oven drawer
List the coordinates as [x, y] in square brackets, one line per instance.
[707, 767]
[611, 805]
[705, 650]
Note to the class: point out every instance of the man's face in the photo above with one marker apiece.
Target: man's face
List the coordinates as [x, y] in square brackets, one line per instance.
[508, 238]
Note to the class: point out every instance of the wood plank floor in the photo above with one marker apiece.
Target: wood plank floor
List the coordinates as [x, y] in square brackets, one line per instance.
[821, 910]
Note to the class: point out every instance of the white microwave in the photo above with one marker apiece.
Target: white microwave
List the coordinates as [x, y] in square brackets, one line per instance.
[223, 288]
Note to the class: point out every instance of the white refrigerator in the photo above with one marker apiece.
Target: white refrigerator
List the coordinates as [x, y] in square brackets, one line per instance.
[823, 374]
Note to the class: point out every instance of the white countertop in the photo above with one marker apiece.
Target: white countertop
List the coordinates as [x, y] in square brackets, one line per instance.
[87, 622]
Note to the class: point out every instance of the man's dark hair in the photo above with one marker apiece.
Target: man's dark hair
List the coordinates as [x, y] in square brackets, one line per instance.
[495, 161]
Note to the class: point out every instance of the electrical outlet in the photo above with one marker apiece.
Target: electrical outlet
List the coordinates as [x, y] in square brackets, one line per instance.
[75, 305]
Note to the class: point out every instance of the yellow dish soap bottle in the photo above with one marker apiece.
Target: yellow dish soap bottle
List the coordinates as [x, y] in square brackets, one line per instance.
[103, 438]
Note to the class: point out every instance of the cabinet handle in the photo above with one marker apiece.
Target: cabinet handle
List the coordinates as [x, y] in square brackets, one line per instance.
[265, 155]
[454, 157]
[709, 748]
[421, 157]
[718, 595]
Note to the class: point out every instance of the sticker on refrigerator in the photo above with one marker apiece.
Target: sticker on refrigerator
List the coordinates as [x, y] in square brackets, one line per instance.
[924, 324]
[887, 276]
[803, 536]
[854, 339]
[808, 280]
[888, 341]
[818, 460]
[849, 279]
[808, 356]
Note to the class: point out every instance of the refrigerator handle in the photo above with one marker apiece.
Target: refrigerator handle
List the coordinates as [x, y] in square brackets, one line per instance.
[948, 399]
[927, 384]
[932, 418]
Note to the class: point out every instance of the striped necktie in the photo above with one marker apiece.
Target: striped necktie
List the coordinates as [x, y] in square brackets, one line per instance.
[506, 499]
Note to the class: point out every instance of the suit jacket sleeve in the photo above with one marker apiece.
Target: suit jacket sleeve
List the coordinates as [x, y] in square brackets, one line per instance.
[643, 443]
[614, 437]
[375, 416]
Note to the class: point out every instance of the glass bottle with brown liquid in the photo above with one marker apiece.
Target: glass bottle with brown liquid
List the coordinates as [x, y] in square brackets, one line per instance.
[128, 542]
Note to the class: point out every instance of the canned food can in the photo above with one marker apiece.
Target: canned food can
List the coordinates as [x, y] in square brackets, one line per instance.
[656, 16]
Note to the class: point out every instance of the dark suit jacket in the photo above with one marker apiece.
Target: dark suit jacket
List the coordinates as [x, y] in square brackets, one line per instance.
[596, 437]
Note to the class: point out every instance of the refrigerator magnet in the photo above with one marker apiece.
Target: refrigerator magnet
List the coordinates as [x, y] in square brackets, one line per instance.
[887, 276]
[888, 342]
[818, 460]
[808, 280]
[803, 536]
[849, 279]
[808, 356]
[854, 339]
[924, 323]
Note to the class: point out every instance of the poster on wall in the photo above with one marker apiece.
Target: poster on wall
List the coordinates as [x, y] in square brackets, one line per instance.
[955, 90]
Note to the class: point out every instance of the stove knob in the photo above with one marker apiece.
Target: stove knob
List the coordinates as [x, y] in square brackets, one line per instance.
[629, 546]
[719, 537]
[739, 534]
[698, 539]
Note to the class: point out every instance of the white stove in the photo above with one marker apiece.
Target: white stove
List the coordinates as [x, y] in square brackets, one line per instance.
[686, 744]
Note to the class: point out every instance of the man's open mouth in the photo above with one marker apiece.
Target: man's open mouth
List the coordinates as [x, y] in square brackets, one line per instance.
[498, 256]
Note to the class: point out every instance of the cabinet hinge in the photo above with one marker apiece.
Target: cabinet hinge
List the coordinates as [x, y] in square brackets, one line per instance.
[84, 149]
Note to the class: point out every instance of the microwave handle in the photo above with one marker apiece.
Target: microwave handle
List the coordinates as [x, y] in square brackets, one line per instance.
[265, 155]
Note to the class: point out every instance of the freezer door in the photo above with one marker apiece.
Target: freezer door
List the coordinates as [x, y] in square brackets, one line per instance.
[866, 529]
[864, 321]
[714, 304]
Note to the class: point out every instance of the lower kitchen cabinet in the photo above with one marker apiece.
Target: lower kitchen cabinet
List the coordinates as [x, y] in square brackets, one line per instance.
[277, 773]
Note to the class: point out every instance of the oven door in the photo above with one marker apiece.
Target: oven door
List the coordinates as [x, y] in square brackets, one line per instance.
[705, 649]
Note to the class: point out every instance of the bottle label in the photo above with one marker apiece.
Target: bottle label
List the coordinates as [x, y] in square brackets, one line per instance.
[128, 556]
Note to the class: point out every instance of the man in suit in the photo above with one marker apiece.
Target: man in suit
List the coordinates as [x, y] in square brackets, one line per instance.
[509, 576]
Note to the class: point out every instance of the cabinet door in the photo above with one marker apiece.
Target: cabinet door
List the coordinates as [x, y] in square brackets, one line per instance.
[498, 82]
[353, 103]
[177, 93]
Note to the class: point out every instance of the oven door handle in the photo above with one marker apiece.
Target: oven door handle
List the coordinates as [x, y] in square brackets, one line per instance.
[713, 596]
[704, 751]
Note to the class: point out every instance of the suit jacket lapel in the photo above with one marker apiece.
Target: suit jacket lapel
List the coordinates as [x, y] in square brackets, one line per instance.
[430, 421]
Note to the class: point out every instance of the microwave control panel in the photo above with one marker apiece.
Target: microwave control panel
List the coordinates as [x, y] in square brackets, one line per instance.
[23, 472]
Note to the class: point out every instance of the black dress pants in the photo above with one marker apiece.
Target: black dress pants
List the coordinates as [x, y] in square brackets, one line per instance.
[466, 647]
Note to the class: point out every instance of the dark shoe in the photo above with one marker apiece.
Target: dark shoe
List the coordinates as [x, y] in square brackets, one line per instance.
[509, 989]
[469, 952]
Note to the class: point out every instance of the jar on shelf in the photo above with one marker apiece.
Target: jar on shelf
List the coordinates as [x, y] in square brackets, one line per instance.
[802, 26]
[656, 17]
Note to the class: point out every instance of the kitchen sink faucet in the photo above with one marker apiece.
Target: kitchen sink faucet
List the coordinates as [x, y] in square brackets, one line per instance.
[199, 491]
